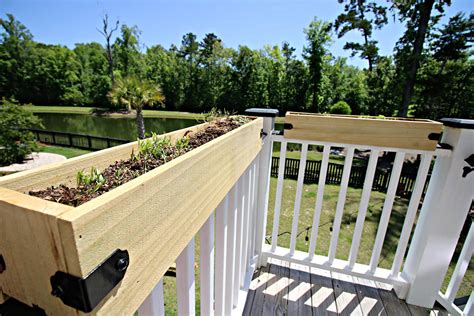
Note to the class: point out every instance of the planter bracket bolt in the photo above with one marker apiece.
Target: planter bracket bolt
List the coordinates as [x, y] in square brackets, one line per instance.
[2, 264]
[86, 293]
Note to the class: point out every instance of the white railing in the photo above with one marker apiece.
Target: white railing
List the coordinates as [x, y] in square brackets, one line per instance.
[232, 241]
[330, 262]
[425, 262]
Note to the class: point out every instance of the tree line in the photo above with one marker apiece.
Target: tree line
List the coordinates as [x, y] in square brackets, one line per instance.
[429, 74]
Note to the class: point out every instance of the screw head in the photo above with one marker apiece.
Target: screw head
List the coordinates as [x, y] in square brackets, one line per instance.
[122, 264]
[57, 291]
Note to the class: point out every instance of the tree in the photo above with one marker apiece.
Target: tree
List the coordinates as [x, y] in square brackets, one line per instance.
[318, 37]
[454, 40]
[15, 140]
[127, 51]
[15, 46]
[136, 94]
[340, 107]
[213, 61]
[189, 51]
[107, 32]
[445, 80]
[364, 17]
[52, 76]
[417, 15]
[92, 72]
[382, 85]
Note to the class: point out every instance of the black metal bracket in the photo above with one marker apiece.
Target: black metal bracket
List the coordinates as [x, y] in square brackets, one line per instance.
[288, 126]
[86, 293]
[468, 169]
[434, 136]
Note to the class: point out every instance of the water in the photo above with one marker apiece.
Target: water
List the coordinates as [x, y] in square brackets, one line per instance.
[115, 127]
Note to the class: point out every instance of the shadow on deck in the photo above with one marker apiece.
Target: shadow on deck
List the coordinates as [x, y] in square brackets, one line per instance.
[283, 288]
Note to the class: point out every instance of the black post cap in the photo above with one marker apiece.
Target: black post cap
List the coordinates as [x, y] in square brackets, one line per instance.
[457, 122]
[262, 112]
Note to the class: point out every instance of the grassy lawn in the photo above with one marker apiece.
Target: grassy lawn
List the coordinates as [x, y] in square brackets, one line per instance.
[68, 152]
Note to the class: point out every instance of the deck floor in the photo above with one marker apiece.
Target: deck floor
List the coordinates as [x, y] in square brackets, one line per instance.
[283, 288]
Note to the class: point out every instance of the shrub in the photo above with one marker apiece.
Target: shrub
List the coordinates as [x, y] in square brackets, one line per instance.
[340, 107]
[15, 141]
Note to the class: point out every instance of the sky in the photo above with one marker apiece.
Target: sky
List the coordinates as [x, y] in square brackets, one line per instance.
[237, 22]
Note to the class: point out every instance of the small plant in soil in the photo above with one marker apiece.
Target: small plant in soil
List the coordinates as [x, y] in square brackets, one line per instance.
[152, 153]
[93, 181]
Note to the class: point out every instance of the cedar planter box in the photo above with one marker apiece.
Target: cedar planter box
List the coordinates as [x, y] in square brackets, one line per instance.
[153, 217]
[405, 133]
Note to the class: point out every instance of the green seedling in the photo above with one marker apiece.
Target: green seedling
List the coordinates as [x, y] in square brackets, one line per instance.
[95, 180]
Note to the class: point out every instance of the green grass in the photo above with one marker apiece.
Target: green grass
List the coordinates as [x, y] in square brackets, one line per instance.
[68, 152]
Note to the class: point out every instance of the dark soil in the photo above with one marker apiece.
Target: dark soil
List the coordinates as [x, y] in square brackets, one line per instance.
[123, 171]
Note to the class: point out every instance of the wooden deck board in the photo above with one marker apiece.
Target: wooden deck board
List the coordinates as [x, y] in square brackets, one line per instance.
[369, 297]
[251, 294]
[392, 304]
[347, 301]
[259, 285]
[323, 293]
[282, 288]
[299, 294]
[274, 304]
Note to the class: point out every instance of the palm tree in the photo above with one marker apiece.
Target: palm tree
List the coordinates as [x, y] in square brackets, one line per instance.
[135, 94]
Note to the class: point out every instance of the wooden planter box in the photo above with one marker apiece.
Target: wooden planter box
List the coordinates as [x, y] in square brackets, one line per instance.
[153, 217]
[402, 133]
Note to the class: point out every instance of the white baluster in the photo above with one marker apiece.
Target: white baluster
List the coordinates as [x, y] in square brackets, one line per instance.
[230, 264]
[387, 209]
[299, 192]
[364, 203]
[319, 201]
[279, 191]
[238, 240]
[246, 222]
[206, 253]
[411, 212]
[185, 285]
[340, 203]
[221, 253]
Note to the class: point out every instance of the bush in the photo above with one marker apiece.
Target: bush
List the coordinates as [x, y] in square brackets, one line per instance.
[15, 141]
[340, 107]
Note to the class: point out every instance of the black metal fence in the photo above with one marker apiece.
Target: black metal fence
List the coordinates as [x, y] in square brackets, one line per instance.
[334, 175]
[76, 140]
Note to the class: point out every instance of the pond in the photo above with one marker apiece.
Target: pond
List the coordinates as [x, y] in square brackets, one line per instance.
[115, 127]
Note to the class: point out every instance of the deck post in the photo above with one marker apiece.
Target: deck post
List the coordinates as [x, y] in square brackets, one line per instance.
[263, 177]
[442, 215]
